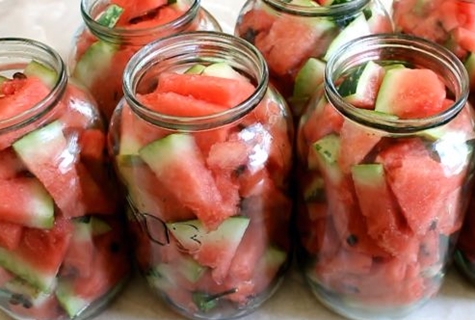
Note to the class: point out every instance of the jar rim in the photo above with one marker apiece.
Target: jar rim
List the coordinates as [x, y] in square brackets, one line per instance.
[365, 48]
[320, 11]
[34, 50]
[118, 34]
[216, 46]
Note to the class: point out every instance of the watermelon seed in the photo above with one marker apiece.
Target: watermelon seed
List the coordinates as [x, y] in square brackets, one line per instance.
[114, 247]
[19, 75]
[17, 298]
[250, 35]
[352, 240]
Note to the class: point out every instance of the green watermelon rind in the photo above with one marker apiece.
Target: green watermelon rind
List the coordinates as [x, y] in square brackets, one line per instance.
[72, 304]
[167, 150]
[327, 150]
[193, 233]
[357, 28]
[36, 69]
[44, 281]
[94, 62]
[41, 206]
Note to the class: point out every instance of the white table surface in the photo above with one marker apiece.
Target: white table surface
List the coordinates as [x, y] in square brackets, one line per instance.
[54, 22]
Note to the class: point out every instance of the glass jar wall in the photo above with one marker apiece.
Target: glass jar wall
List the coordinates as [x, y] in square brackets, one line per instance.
[384, 169]
[114, 30]
[298, 37]
[203, 148]
[62, 254]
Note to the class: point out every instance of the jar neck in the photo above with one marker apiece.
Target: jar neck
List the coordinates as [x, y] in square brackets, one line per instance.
[91, 9]
[410, 50]
[15, 54]
[181, 51]
[344, 9]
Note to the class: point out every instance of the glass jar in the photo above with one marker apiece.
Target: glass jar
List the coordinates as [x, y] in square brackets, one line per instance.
[208, 195]
[62, 254]
[383, 186]
[102, 49]
[450, 23]
[298, 38]
[465, 249]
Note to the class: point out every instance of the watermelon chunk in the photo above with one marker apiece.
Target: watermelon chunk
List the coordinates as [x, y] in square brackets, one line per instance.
[179, 166]
[215, 249]
[226, 92]
[174, 104]
[39, 254]
[384, 220]
[26, 202]
[356, 142]
[409, 165]
[148, 194]
[109, 269]
[53, 165]
[19, 95]
[10, 165]
[10, 235]
[423, 91]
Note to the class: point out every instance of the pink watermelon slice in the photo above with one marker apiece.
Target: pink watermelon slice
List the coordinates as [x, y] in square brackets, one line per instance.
[409, 165]
[215, 249]
[179, 165]
[53, 164]
[26, 202]
[39, 254]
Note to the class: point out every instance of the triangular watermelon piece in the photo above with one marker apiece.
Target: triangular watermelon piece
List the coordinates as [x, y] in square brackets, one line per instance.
[215, 249]
[39, 254]
[54, 165]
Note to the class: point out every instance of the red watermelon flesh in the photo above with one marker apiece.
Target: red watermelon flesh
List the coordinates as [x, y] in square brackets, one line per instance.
[409, 165]
[174, 104]
[39, 254]
[179, 165]
[288, 44]
[10, 235]
[148, 194]
[46, 309]
[96, 198]
[248, 253]
[221, 91]
[422, 95]
[207, 138]
[10, 165]
[20, 95]
[356, 142]
[53, 164]
[109, 266]
[146, 14]
[349, 222]
[135, 133]
[429, 252]
[133, 9]
[23, 94]
[321, 122]
[215, 249]
[253, 22]
[384, 220]
[92, 144]
[26, 202]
